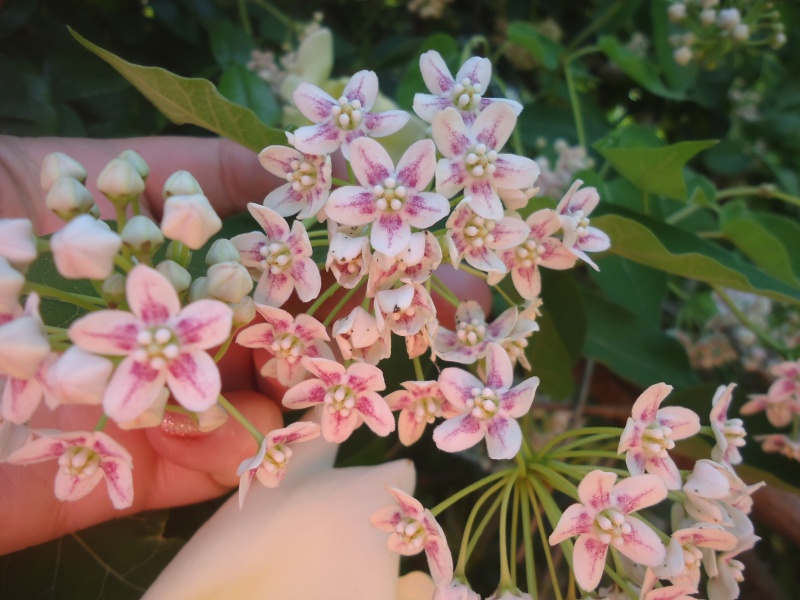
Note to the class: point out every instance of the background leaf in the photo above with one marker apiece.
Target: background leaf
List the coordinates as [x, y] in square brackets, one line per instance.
[641, 70]
[545, 50]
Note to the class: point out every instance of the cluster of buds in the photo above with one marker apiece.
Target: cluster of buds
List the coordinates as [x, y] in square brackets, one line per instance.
[712, 30]
[556, 177]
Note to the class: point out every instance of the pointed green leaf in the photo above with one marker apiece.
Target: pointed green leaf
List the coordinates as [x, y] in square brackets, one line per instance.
[239, 84]
[638, 288]
[194, 101]
[641, 70]
[675, 251]
[542, 48]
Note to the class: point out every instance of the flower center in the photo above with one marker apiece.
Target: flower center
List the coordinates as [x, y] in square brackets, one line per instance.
[352, 265]
[483, 404]
[340, 398]
[411, 532]
[277, 257]
[692, 556]
[656, 440]
[581, 221]
[157, 347]
[515, 348]
[302, 176]
[80, 462]
[466, 95]
[612, 526]
[734, 432]
[389, 197]
[530, 253]
[347, 113]
[427, 409]
[478, 231]
[288, 346]
[480, 161]
[471, 332]
[276, 458]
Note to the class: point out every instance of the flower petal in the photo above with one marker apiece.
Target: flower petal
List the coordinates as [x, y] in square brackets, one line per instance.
[314, 103]
[499, 370]
[370, 161]
[574, 521]
[450, 134]
[119, 482]
[588, 561]
[351, 205]
[385, 123]
[595, 489]
[69, 488]
[642, 544]
[503, 437]
[304, 394]
[435, 73]
[193, 378]
[646, 406]
[457, 384]
[151, 296]
[133, 388]
[459, 433]
[514, 172]
[106, 332]
[637, 492]
[203, 324]
[518, 400]
[363, 86]
[375, 412]
[494, 125]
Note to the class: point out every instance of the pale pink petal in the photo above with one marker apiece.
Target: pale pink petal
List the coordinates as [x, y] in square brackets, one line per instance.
[329, 371]
[40, 450]
[390, 233]
[427, 106]
[151, 296]
[385, 123]
[707, 536]
[665, 469]
[527, 281]
[646, 406]
[451, 177]
[69, 488]
[273, 289]
[450, 134]
[493, 127]
[324, 138]
[499, 370]
[261, 335]
[410, 506]
[249, 246]
[337, 427]
[514, 172]
[133, 388]
[21, 397]
[483, 199]
[424, 209]
[634, 493]
[483, 259]
[203, 324]
[299, 431]
[459, 433]
[417, 166]
[440, 561]
[409, 429]
[593, 240]
[574, 521]
[312, 102]
[363, 86]
[642, 544]
[362, 377]
[595, 489]
[351, 205]
[386, 518]
[371, 163]
[119, 482]
[305, 394]
[245, 479]
[375, 412]
[306, 278]
[636, 461]
[435, 73]
[275, 226]
[478, 70]
[509, 231]
[683, 421]
[503, 437]
[106, 332]
[556, 256]
[285, 200]
[278, 159]
[457, 384]
[518, 400]
[588, 560]
[543, 223]
[501, 327]
[193, 378]
[584, 200]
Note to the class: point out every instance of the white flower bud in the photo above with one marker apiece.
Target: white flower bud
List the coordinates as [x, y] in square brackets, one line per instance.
[120, 182]
[229, 281]
[190, 219]
[58, 165]
[179, 277]
[141, 235]
[198, 290]
[676, 12]
[78, 377]
[708, 17]
[136, 161]
[212, 418]
[741, 33]
[222, 250]
[244, 312]
[728, 18]
[11, 284]
[682, 55]
[113, 290]
[69, 198]
[23, 347]
[777, 41]
[17, 242]
[181, 183]
[85, 248]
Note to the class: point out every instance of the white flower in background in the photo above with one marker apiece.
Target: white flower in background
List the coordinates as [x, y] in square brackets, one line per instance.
[85, 249]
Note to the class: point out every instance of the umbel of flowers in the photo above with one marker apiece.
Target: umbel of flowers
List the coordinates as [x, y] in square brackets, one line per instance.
[147, 342]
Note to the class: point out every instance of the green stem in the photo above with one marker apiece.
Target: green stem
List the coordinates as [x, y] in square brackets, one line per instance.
[590, 439]
[545, 543]
[339, 305]
[482, 526]
[527, 540]
[512, 546]
[586, 50]
[245, 18]
[505, 296]
[87, 302]
[596, 24]
[418, 369]
[234, 412]
[765, 191]
[122, 217]
[319, 243]
[445, 504]
[680, 215]
[101, 422]
[123, 263]
[224, 348]
[505, 574]
[585, 454]
[556, 480]
[444, 292]
[743, 318]
[611, 431]
[275, 12]
[614, 574]
[574, 102]
[322, 298]
[464, 550]
[318, 232]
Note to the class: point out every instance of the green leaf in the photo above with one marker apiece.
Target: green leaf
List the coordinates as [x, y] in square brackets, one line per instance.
[26, 107]
[680, 78]
[654, 170]
[230, 44]
[194, 101]
[634, 349]
[118, 559]
[641, 70]
[638, 288]
[675, 251]
[240, 85]
[542, 48]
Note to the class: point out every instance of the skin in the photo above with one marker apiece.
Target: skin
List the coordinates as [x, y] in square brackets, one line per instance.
[174, 464]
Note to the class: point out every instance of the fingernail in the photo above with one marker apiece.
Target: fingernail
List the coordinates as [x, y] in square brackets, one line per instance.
[180, 425]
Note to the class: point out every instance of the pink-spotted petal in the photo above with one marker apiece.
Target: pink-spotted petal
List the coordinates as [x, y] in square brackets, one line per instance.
[306, 278]
[428, 106]
[337, 427]
[119, 482]
[634, 493]
[642, 544]
[249, 246]
[375, 412]
[646, 406]
[363, 86]
[385, 123]
[593, 240]
[518, 400]
[324, 138]
[594, 490]
[588, 561]
[106, 332]
[410, 506]
[423, 209]
[275, 226]
[483, 199]
[133, 388]
[45, 448]
[483, 259]
[666, 470]
[435, 73]
[285, 200]
[386, 518]
[636, 461]
[440, 560]
[514, 172]
[21, 397]
[494, 125]
[305, 394]
[362, 377]
[261, 335]
[351, 205]
[450, 134]
[409, 429]
[499, 370]
[203, 324]
[575, 521]
[450, 177]
[527, 281]
[584, 200]
[151, 296]
[193, 378]
[683, 421]
[69, 488]
[312, 102]
[478, 70]
[370, 161]
[273, 289]
[417, 166]
[459, 433]
[300, 431]
[509, 231]
[456, 386]
[278, 159]
[503, 437]
[329, 371]
[543, 223]
[390, 233]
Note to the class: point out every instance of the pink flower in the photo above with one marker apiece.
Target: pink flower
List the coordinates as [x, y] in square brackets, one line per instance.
[780, 409]
[602, 517]
[783, 444]
[471, 161]
[419, 403]
[349, 258]
[684, 555]
[282, 257]
[477, 239]
[464, 93]
[574, 209]
[404, 310]
[348, 396]
[391, 199]
[651, 431]
[729, 433]
[472, 336]
[339, 122]
[84, 459]
[414, 529]
[489, 408]
[308, 177]
[540, 249]
[161, 343]
[414, 264]
[273, 456]
[289, 339]
[360, 339]
[17, 242]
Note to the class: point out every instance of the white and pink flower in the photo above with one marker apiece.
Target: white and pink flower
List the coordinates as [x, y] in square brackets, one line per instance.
[308, 181]
[162, 344]
[421, 402]
[470, 341]
[729, 433]
[414, 264]
[349, 258]
[579, 237]
[361, 339]
[404, 310]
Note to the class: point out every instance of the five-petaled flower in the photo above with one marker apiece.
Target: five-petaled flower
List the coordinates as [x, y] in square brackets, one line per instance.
[414, 529]
[84, 458]
[729, 433]
[489, 409]
[419, 403]
[573, 210]
[161, 343]
[470, 341]
[308, 181]
[602, 517]
[348, 397]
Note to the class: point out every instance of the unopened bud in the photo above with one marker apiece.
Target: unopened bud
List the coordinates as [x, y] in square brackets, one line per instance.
[85, 249]
[682, 55]
[222, 250]
[23, 347]
[11, 284]
[79, 377]
[229, 281]
[17, 242]
[142, 236]
[708, 17]
[120, 182]
[198, 290]
[136, 161]
[179, 277]
[777, 40]
[741, 33]
[69, 198]
[676, 12]
[728, 18]
[244, 312]
[113, 290]
[181, 183]
[58, 165]
[190, 219]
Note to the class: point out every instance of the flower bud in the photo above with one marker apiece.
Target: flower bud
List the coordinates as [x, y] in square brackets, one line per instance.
[229, 281]
[113, 290]
[179, 277]
[211, 419]
[181, 183]
[11, 284]
[85, 248]
[78, 377]
[198, 290]
[58, 165]
[708, 17]
[244, 312]
[17, 242]
[23, 347]
[69, 198]
[682, 55]
[142, 236]
[741, 33]
[190, 219]
[728, 18]
[120, 182]
[777, 41]
[676, 12]
[222, 250]
[137, 162]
